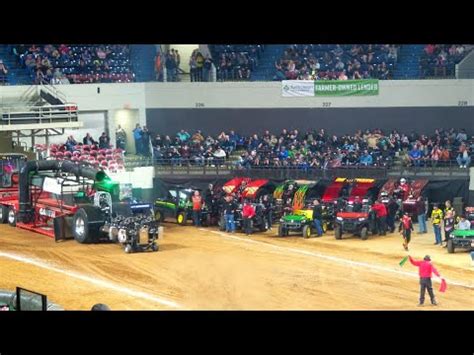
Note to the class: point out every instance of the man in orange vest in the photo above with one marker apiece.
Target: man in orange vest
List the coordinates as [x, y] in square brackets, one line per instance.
[197, 207]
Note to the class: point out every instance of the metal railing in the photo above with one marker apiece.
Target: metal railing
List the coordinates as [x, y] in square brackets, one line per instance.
[39, 114]
[213, 167]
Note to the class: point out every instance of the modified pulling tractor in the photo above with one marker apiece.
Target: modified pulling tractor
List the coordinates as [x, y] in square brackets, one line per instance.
[64, 200]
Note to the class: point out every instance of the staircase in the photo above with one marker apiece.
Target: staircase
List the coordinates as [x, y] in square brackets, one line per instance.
[16, 74]
[143, 61]
[266, 66]
[408, 64]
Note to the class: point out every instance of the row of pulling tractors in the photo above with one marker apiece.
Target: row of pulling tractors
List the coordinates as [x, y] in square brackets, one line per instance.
[65, 200]
[346, 203]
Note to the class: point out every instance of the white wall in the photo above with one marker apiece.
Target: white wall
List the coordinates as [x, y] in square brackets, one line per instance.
[116, 98]
[395, 93]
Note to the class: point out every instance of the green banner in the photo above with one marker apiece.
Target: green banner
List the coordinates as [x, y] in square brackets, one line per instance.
[364, 87]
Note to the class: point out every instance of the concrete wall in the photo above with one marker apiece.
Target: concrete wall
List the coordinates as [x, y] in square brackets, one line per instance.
[133, 100]
[395, 93]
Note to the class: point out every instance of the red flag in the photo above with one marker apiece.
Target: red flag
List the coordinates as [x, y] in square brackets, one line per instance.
[443, 286]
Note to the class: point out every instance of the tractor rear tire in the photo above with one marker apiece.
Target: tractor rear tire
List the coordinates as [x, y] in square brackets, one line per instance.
[306, 231]
[3, 214]
[338, 232]
[451, 248]
[86, 224]
[364, 233]
[12, 217]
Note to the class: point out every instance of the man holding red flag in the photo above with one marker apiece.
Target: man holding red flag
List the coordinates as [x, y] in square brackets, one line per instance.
[425, 270]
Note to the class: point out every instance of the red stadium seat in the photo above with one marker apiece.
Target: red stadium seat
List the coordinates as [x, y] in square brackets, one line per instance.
[103, 163]
[102, 151]
[108, 151]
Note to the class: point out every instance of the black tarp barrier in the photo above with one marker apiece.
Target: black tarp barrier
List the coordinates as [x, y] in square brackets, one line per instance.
[437, 191]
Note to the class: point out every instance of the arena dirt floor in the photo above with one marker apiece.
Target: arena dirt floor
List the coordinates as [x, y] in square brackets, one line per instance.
[209, 270]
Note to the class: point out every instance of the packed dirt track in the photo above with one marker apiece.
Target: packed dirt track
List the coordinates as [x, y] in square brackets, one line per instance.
[205, 269]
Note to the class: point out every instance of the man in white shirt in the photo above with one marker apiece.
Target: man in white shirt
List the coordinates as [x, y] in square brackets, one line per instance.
[464, 224]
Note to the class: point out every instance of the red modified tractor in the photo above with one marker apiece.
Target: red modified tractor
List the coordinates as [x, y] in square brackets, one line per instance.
[64, 200]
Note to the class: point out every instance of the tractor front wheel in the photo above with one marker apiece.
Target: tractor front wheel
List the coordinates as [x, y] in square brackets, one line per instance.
[12, 217]
[450, 246]
[181, 218]
[338, 232]
[364, 233]
[282, 231]
[306, 231]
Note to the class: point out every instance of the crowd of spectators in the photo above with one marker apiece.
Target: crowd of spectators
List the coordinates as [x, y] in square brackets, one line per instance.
[236, 62]
[98, 153]
[317, 149]
[440, 59]
[195, 149]
[75, 64]
[336, 62]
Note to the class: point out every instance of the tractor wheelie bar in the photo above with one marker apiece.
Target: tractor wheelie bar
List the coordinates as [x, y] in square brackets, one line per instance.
[64, 200]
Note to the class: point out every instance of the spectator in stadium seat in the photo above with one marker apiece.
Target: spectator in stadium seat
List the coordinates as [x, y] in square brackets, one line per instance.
[170, 67]
[104, 141]
[120, 138]
[463, 158]
[207, 67]
[88, 140]
[137, 136]
[461, 136]
[183, 136]
[366, 159]
[199, 66]
[70, 143]
[145, 138]
[159, 67]
[3, 72]
[415, 156]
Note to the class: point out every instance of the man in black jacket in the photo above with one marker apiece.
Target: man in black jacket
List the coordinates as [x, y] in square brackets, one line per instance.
[317, 217]
[229, 208]
[268, 210]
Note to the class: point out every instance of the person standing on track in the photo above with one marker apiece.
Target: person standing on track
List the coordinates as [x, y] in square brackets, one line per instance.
[449, 215]
[268, 210]
[421, 212]
[436, 218]
[426, 271]
[317, 217]
[197, 208]
[229, 208]
[405, 228]
[248, 212]
[381, 213]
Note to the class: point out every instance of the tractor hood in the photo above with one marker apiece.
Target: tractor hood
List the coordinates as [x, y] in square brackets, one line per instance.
[353, 215]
